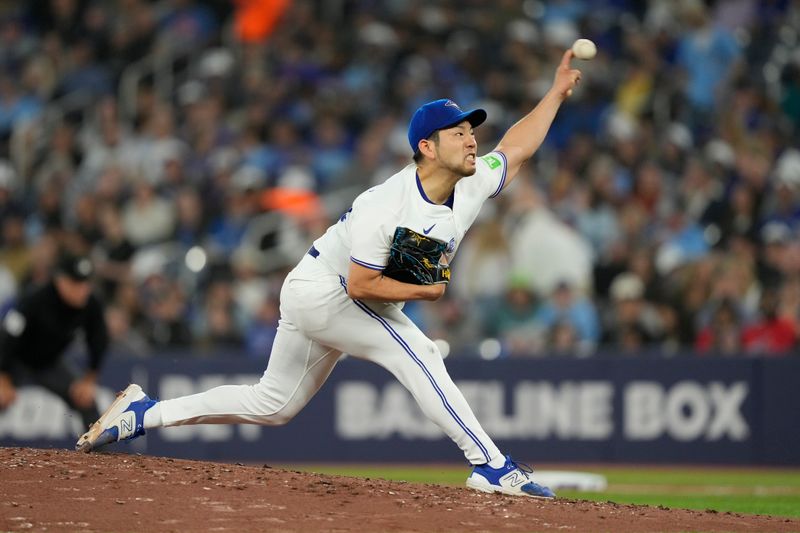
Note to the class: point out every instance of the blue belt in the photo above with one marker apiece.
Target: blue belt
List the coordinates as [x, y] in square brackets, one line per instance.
[313, 252]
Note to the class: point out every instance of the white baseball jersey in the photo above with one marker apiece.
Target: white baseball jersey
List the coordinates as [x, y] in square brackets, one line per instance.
[364, 234]
[320, 322]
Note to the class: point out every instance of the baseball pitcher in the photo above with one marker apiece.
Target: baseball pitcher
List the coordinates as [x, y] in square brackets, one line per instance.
[395, 244]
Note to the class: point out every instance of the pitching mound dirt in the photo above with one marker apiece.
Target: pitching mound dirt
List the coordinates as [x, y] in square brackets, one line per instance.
[60, 490]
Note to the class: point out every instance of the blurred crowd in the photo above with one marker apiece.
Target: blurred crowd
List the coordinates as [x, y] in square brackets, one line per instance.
[195, 149]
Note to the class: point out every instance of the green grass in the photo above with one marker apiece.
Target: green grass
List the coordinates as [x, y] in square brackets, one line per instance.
[740, 490]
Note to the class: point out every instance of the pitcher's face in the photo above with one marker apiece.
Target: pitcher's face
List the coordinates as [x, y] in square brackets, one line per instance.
[457, 149]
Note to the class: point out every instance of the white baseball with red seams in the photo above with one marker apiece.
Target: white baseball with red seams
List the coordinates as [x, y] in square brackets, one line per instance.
[584, 49]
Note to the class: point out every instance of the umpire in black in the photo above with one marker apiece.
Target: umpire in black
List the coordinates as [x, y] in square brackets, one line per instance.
[37, 331]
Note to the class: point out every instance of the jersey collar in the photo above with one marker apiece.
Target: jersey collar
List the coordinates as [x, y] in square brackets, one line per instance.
[448, 202]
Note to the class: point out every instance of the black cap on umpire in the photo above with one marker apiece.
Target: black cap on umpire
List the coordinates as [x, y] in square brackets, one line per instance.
[75, 267]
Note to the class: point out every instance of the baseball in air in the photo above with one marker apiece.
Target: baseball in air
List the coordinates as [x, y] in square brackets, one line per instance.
[584, 49]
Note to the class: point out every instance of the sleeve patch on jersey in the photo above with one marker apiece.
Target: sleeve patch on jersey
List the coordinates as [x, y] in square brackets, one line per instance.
[492, 161]
[503, 177]
[14, 323]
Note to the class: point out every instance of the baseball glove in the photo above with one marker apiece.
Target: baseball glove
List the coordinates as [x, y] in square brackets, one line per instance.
[415, 258]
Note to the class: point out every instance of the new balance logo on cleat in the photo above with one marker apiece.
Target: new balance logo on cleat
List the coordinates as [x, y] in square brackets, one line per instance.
[126, 424]
[123, 420]
[512, 478]
[515, 478]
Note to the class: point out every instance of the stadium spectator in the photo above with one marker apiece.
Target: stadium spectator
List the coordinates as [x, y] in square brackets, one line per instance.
[261, 328]
[723, 334]
[772, 334]
[565, 308]
[631, 324]
[219, 322]
[484, 265]
[563, 340]
[707, 53]
[15, 253]
[514, 321]
[113, 251]
[147, 217]
[125, 340]
[165, 312]
[16, 107]
[190, 227]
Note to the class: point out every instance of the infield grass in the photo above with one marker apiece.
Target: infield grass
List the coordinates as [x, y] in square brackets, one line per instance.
[740, 490]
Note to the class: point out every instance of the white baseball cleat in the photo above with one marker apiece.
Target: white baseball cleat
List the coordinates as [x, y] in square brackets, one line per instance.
[512, 478]
[123, 420]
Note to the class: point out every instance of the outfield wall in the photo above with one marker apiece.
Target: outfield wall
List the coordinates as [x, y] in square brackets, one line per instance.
[684, 410]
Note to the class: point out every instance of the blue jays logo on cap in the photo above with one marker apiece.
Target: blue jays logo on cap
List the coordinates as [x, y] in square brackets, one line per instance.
[438, 115]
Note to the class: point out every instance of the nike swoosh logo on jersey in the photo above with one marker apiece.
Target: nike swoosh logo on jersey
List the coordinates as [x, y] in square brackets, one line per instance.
[426, 231]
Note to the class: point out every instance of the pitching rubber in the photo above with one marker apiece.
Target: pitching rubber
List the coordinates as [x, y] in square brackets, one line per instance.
[89, 440]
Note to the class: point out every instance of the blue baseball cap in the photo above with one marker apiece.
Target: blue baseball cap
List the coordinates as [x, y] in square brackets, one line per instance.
[437, 115]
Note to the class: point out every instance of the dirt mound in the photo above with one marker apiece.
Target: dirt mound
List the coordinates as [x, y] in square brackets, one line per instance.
[60, 490]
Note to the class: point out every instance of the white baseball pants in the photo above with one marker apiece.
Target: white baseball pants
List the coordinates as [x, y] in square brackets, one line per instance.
[319, 322]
